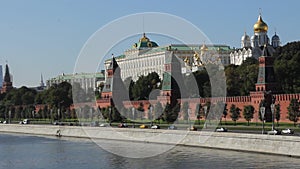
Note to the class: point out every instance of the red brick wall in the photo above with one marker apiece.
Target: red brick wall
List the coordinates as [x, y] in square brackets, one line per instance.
[240, 101]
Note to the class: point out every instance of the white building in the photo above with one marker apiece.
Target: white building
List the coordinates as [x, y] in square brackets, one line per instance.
[253, 47]
[86, 80]
[146, 56]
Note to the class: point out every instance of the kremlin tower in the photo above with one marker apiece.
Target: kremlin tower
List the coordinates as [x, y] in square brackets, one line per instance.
[7, 83]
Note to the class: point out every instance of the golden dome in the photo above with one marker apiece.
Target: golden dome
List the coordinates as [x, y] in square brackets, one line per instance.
[204, 47]
[260, 25]
[144, 38]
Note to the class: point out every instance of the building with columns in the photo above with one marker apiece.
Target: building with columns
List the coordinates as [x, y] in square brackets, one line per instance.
[86, 80]
[253, 47]
[146, 56]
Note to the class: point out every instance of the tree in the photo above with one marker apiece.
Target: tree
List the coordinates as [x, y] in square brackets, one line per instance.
[235, 113]
[220, 108]
[198, 111]
[277, 113]
[168, 114]
[248, 113]
[286, 67]
[247, 72]
[141, 111]
[225, 112]
[115, 115]
[185, 107]
[293, 111]
[144, 85]
[158, 110]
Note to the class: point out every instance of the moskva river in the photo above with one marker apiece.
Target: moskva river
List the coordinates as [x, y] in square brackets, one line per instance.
[32, 152]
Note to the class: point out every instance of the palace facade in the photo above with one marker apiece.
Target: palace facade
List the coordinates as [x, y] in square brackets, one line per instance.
[146, 56]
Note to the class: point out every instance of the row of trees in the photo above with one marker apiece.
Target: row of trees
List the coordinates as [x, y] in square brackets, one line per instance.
[20, 103]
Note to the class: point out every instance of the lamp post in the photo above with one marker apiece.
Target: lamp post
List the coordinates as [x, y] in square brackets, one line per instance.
[9, 116]
[262, 112]
[273, 110]
[205, 111]
[133, 110]
[189, 121]
[151, 115]
[51, 116]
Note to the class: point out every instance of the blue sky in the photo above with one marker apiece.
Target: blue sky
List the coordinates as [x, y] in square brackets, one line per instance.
[46, 36]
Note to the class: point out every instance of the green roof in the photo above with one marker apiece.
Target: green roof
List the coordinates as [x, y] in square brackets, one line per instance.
[177, 47]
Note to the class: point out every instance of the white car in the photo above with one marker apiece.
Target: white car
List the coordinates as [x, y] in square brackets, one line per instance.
[287, 131]
[25, 121]
[222, 129]
[155, 127]
[274, 132]
[103, 125]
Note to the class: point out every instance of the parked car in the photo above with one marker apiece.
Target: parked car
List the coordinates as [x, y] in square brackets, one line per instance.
[172, 127]
[122, 125]
[94, 124]
[155, 127]
[103, 125]
[287, 131]
[143, 126]
[26, 121]
[274, 132]
[221, 129]
[192, 128]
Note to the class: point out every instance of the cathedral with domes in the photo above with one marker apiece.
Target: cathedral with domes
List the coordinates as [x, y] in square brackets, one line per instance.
[253, 47]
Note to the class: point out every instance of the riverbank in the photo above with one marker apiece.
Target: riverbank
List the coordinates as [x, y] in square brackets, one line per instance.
[269, 144]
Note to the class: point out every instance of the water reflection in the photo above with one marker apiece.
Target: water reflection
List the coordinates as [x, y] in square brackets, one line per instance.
[22, 151]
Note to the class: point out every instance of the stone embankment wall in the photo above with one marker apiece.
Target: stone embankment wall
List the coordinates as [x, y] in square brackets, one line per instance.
[271, 144]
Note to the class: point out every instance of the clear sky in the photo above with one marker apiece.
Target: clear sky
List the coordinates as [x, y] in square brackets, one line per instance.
[46, 36]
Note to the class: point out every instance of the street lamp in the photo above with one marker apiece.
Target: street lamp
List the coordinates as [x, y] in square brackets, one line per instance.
[151, 115]
[273, 111]
[262, 112]
[205, 111]
[133, 110]
[189, 121]
[9, 116]
[51, 116]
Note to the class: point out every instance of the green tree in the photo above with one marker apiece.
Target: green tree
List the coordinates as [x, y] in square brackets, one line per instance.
[225, 112]
[293, 111]
[232, 81]
[198, 113]
[115, 115]
[168, 115]
[144, 85]
[247, 72]
[219, 110]
[248, 113]
[185, 107]
[277, 113]
[286, 67]
[158, 111]
[141, 111]
[234, 113]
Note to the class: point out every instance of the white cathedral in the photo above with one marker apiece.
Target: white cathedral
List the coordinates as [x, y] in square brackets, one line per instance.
[252, 47]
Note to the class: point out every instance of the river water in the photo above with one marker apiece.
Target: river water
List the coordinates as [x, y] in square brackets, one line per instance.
[32, 152]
